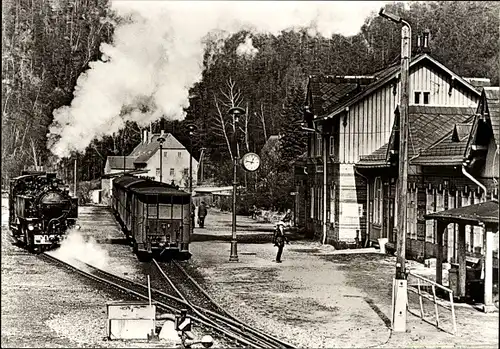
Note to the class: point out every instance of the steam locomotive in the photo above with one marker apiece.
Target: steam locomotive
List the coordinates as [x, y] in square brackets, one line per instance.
[40, 210]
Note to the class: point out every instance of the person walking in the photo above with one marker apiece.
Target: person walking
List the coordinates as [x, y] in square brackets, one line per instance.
[202, 213]
[279, 239]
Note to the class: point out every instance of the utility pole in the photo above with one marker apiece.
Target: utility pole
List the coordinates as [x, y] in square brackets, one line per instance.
[399, 284]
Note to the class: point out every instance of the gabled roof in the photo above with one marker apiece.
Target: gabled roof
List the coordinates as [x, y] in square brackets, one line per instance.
[116, 162]
[392, 73]
[449, 150]
[428, 127]
[484, 212]
[493, 97]
[144, 151]
[489, 109]
[325, 92]
[429, 124]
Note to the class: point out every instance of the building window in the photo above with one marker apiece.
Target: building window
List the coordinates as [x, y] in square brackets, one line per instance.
[319, 145]
[179, 154]
[332, 146]
[377, 201]
[426, 97]
[430, 204]
[312, 202]
[157, 171]
[172, 172]
[411, 218]
[185, 172]
[165, 154]
[418, 97]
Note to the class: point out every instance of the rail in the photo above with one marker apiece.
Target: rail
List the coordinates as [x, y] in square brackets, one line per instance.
[420, 289]
[223, 317]
[140, 291]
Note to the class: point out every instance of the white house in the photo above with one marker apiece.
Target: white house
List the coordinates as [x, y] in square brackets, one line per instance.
[174, 164]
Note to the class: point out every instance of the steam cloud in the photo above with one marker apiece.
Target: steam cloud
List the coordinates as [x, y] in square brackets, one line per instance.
[87, 250]
[157, 55]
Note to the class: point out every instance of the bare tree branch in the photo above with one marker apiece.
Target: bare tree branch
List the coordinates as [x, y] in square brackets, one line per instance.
[222, 125]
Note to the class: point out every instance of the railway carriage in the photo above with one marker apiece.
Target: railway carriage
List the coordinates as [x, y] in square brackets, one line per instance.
[40, 210]
[154, 216]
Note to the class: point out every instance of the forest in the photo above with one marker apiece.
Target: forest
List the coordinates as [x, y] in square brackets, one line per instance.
[47, 45]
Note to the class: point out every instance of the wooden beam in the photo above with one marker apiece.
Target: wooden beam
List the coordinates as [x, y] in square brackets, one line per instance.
[441, 227]
[461, 260]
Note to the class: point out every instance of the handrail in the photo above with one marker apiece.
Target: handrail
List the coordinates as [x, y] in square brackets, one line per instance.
[431, 282]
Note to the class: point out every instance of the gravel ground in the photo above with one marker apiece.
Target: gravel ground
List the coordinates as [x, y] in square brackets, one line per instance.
[320, 298]
[315, 298]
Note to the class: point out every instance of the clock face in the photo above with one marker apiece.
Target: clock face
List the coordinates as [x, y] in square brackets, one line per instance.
[251, 161]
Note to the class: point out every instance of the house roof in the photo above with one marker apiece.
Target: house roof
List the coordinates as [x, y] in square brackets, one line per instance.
[116, 162]
[427, 125]
[484, 212]
[450, 149]
[144, 151]
[488, 107]
[375, 159]
[325, 92]
[389, 74]
[493, 98]
[478, 83]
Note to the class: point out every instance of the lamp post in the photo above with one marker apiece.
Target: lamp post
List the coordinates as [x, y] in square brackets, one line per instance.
[235, 112]
[161, 140]
[325, 185]
[399, 290]
[191, 129]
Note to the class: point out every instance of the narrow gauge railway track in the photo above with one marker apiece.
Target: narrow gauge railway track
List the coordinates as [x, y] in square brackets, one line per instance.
[204, 306]
[162, 300]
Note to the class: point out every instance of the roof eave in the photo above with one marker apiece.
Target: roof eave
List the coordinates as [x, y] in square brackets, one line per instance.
[382, 82]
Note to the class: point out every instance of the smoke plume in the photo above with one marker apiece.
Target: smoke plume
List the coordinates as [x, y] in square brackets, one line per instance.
[157, 53]
[81, 248]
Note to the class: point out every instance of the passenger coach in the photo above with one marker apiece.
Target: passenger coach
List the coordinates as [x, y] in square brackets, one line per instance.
[154, 216]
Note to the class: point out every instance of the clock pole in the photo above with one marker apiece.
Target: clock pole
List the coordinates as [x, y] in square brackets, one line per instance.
[235, 112]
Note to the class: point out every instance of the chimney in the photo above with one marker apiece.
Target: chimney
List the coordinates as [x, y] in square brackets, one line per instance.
[162, 133]
[425, 41]
[144, 136]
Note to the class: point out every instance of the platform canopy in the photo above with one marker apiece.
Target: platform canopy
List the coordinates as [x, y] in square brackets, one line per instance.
[484, 212]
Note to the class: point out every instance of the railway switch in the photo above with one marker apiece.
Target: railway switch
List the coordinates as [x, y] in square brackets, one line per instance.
[182, 322]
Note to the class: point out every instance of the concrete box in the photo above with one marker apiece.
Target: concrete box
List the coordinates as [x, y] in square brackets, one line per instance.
[130, 320]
